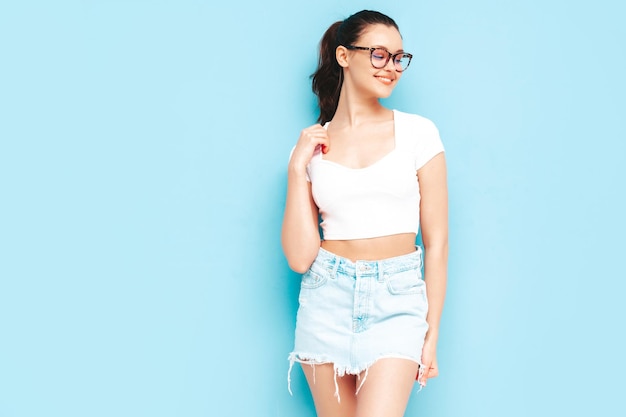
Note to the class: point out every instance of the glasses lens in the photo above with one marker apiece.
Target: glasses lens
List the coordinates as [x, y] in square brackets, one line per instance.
[402, 61]
[380, 58]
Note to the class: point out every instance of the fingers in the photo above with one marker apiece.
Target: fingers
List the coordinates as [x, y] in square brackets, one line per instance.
[310, 138]
[422, 375]
[433, 371]
[315, 135]
[427, 371]
[429, 363]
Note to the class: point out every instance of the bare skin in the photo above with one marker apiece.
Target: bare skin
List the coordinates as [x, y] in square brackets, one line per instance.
[372, 249]
[386, 391]
[360, 134]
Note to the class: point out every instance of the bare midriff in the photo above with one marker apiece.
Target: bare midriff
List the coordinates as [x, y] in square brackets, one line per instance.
[372, 249]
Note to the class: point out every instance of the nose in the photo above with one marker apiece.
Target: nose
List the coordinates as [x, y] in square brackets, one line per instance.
[390, 63]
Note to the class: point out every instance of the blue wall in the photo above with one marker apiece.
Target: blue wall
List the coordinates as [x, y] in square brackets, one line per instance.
[142, 180]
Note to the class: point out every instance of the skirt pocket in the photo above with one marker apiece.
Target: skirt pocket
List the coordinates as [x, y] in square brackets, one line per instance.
[405, 282]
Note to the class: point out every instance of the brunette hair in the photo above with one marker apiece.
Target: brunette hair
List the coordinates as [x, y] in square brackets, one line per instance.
[328, 77]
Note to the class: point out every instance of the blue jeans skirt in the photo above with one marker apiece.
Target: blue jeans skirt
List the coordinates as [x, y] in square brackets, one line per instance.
[353, 313]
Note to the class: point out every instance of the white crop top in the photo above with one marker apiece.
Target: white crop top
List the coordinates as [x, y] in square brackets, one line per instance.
[381, 199]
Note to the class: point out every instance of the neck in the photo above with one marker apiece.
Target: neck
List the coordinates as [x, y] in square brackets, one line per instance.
[353, 111]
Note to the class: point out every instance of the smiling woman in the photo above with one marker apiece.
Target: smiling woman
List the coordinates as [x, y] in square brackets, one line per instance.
[367, 325]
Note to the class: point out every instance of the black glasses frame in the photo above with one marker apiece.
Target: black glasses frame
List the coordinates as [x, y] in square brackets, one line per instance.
[389, 56]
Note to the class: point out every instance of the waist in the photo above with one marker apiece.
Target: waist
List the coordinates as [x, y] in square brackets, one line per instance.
[329, 261]
[372, 249]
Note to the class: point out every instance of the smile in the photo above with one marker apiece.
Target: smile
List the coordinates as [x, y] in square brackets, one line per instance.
[384, 80]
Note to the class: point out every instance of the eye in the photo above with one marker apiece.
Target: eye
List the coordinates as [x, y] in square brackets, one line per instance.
[402, 59]
[379, 54]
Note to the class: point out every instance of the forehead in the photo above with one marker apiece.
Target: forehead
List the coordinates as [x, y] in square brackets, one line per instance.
[381, 35]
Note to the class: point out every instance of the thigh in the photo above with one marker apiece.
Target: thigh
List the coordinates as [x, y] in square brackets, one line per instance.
[321, 379]
[387, 388]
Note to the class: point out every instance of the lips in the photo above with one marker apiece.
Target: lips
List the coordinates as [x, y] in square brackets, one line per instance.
[384, 80]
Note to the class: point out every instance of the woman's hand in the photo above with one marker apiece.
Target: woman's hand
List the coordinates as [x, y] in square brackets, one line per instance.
[430, 369]
[310, 138]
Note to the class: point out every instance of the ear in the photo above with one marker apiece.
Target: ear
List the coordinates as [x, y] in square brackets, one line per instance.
[341, 53]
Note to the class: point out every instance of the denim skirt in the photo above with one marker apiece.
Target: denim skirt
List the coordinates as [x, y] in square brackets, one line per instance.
[353, 313]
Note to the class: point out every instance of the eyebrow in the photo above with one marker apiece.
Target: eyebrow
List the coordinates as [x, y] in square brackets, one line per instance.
[399, 51]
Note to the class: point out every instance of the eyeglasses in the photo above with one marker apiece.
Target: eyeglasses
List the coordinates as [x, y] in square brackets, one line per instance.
[379, 57]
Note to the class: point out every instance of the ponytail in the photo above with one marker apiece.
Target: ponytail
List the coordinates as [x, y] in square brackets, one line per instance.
[328, 77]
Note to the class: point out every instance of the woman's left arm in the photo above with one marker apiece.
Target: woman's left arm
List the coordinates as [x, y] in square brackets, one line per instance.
[434, 226]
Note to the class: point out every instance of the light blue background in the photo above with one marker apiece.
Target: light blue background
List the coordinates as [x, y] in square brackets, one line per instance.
[142, 178]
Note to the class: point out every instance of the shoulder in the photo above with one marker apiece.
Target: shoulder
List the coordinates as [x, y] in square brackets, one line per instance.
[418, 135]
[410, 123]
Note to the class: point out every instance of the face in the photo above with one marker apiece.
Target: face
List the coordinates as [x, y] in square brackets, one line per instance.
[359, 70]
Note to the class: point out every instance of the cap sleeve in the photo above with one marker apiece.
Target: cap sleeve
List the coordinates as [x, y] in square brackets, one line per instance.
[427, 142]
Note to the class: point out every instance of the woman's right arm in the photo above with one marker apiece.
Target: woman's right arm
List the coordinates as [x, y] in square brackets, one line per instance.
[300, 232]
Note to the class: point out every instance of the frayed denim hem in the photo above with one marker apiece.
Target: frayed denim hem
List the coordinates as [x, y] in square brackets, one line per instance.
[340, 371]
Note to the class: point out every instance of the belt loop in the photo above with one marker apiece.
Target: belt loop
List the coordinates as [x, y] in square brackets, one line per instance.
[336, 260]
[381, 271]
[420, 255]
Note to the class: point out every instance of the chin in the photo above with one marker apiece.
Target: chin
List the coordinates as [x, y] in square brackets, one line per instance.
[385, 93]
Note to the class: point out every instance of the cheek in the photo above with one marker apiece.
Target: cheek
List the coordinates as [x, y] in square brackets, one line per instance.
[363, 77]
